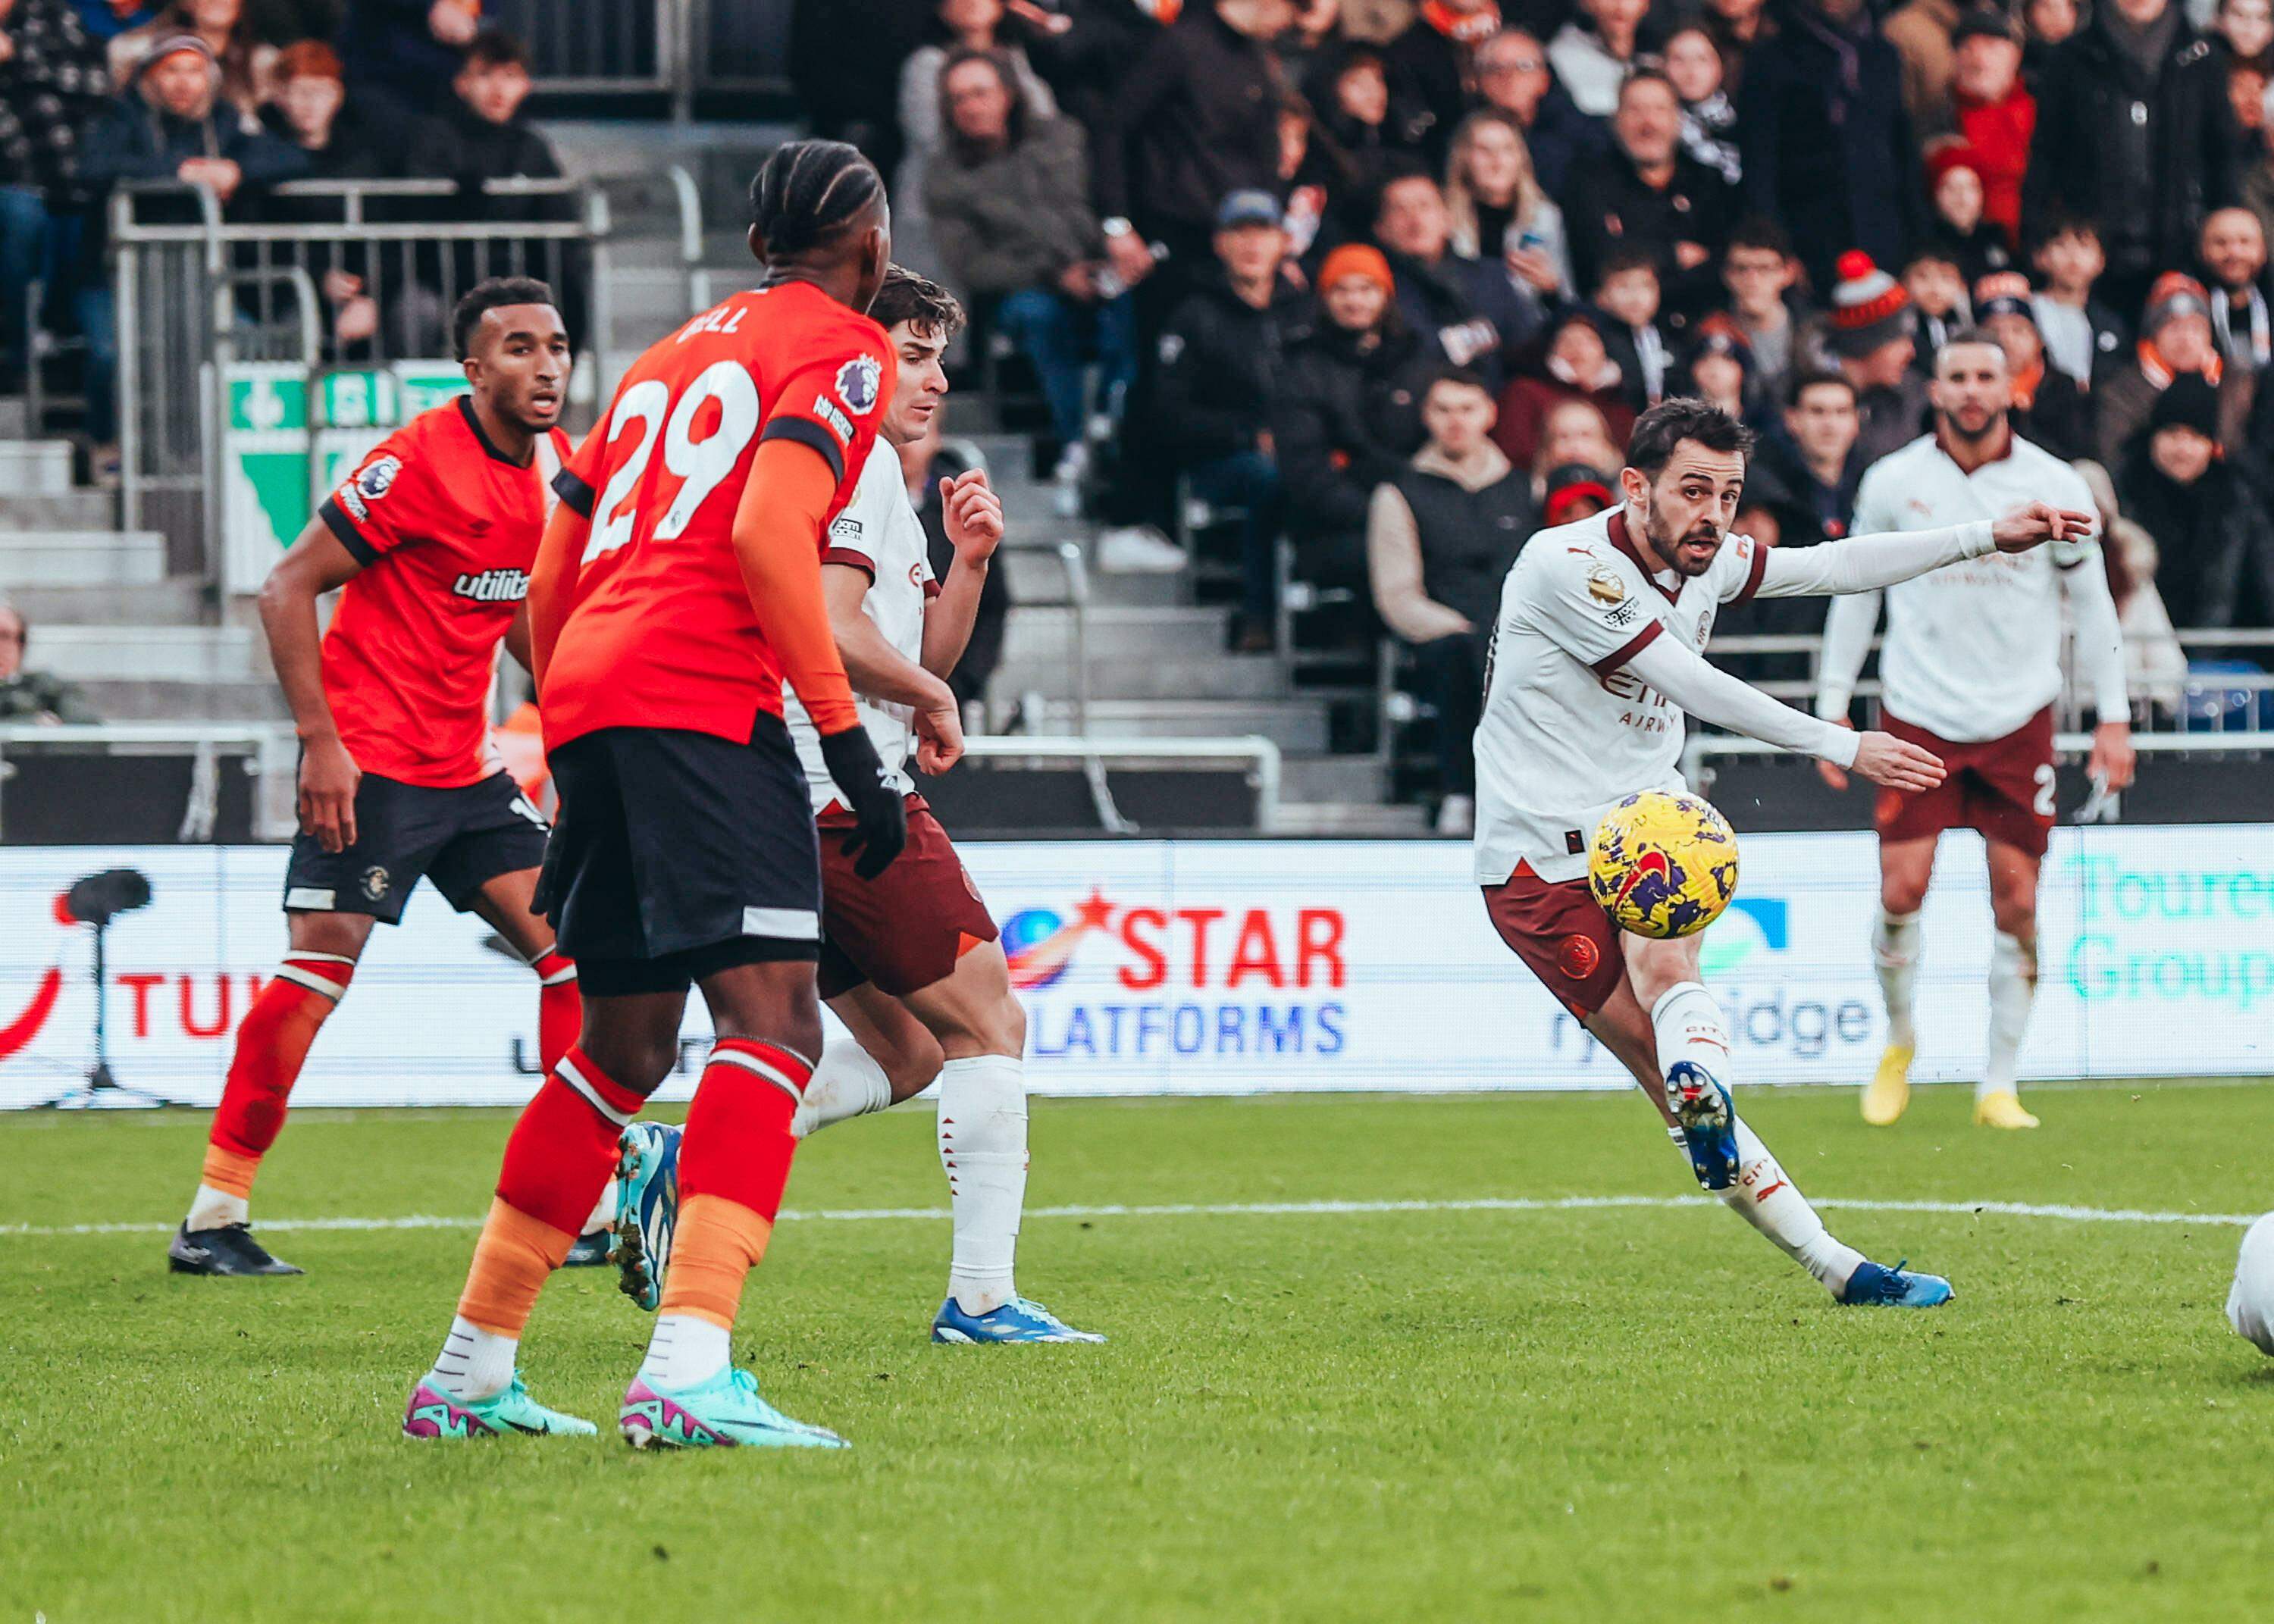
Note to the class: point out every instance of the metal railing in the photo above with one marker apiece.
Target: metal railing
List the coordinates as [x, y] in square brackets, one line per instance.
[316, 276]
[675, 48]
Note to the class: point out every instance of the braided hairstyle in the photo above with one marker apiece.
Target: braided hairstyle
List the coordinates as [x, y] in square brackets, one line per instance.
[807, 191]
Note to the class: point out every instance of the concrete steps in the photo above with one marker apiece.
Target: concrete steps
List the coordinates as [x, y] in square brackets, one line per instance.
[164, 603]
[1350, 821]
[1340, 780]
[189, 654]
[1233, 677]
[57, 510]
[80, 558]
[155, 701]
[1177, 634]
[36, 467]
[1294, 725]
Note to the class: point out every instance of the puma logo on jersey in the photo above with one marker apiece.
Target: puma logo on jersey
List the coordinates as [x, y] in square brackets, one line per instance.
[493, 586]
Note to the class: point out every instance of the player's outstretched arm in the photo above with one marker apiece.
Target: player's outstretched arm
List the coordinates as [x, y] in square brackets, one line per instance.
[553, 586]
[1866, 563]
[776, 526]
[2100, 652]
[973, 515]
[1717, 697]
[880, 671]
[317, 563]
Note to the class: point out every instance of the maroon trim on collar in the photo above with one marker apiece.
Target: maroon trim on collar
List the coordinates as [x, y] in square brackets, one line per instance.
[1625, 543]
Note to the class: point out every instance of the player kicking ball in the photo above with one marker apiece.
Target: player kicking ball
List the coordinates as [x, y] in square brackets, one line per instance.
[1970, 669]
[429, 545]
[678, 586]
[1594, 664]
[910, 959]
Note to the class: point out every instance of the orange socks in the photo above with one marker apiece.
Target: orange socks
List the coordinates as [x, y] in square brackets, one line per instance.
[272, 1046]
[512, 1260]
[717, 1243]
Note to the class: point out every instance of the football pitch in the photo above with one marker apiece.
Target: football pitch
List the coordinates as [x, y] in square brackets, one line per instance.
[1372, 1358]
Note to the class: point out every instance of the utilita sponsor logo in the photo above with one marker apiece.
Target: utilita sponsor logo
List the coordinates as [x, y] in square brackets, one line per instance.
[1185, 982]
[493, 586]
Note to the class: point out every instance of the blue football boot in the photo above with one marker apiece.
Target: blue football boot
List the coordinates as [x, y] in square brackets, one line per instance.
[1875, 1286]
[1708, 1121]
[1017, 1320]
[647, 1209]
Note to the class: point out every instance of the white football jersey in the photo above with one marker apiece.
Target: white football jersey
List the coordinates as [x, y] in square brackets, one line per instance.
[1973, 649]
[1566, 734]
[878, 531]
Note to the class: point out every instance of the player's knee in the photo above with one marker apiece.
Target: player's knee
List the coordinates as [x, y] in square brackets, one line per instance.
[2015, 916]
[911, 1064]
[1900, 894]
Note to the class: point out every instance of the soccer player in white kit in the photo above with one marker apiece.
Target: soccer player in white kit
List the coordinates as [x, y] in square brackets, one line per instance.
[1594, 664]
[1970, 670]
[911, 960]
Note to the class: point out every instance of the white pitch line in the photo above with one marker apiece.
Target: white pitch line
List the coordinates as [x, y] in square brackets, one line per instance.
[1275, 1209]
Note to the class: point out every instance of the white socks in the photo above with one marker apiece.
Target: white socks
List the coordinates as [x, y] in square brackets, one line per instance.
[685, 1352]
[2013, 987]
[982, 1146]
[1894, 954]
[604, 1210]
[848, 1082]
[1686, 1025]
[213, 1209]
[1766, 1197]
[474, 1364]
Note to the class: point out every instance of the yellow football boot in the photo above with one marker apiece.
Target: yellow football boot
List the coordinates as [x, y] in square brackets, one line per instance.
[2001, 1110]
[1889, 1090]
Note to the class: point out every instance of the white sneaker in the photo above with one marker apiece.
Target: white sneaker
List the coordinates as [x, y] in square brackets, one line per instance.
[1138, 549]
[1457, 814]
[1074, 463]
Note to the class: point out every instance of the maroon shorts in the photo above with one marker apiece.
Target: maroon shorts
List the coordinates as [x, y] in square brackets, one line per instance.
[2003, 787]
[906, 927]
[1562, 933]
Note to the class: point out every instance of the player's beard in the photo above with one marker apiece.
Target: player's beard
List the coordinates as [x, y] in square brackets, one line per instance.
[1668, 545]
[1992, 427]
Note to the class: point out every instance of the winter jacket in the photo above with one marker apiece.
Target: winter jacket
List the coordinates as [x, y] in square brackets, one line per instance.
[1525, 403]
[2122, 404]
[2146, 161]
[1220, 369]
[1197, 117]
[135, 139]
[30, 695]
[1920, 33]
[1827, 146]
[1425, 70]
[387, 47]
[49, 87]
[1609, 208]
[1016, 218]
[1347, 420]
[2205, 534]
[1806, 509]
[1440, 539]
[1559, 138]
[2055, 412]
[1479, 312]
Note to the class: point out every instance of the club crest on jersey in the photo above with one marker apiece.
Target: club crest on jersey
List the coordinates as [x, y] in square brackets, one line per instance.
[375, 883]
[858, 382]
[493, 586]
[1604, 585]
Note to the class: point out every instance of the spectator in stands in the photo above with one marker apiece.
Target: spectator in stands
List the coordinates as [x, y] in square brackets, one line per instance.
[1936, 287]
[31, 695]
[1922, 33]
[1959, 230]
[2233, 257]
[1717, 367]
[51, 79]
[1737, 25]
[1571, 491]
[1574, 435]
[403, 56]
[2247, 91]
[2135, 131]
[1869, 338]
[1994, 114]
[1576, 366]
[1800, 484]
[311, 113]
[1218, 380]
[1646, 193]
[1196, 120]
[2051, 408]
[480, 135]
[1429, 65]
[1627, 297]
[1828, 148]
[1476, 311]
[2084, 337]
[1758, 273]
[1011, 212]
[1593, 53]
[1497, 208]
[1085, 62]
[2174, 482]
[2175, 341]
[1364, 127]
[1513, 75]
[1439, 537]
[107, 19]
[165, 127]
[1709, 118]
[962, 25]
[2243, 35]
[1350, 412]
[248, 63]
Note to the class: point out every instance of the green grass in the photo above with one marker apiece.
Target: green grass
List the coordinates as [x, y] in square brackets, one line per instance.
[1606, 1414]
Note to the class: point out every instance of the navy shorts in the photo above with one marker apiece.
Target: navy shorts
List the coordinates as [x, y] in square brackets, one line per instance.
[460, 838]
[677, 855]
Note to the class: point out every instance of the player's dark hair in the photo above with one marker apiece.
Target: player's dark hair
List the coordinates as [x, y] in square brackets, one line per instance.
[495, 47]
[493, 294]
[1969, 335]
[807, 191]
[1803, 381]
[920, 302]
[1680, 417]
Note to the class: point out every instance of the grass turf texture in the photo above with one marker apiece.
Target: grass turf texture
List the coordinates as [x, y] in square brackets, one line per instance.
[1604, 1414]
